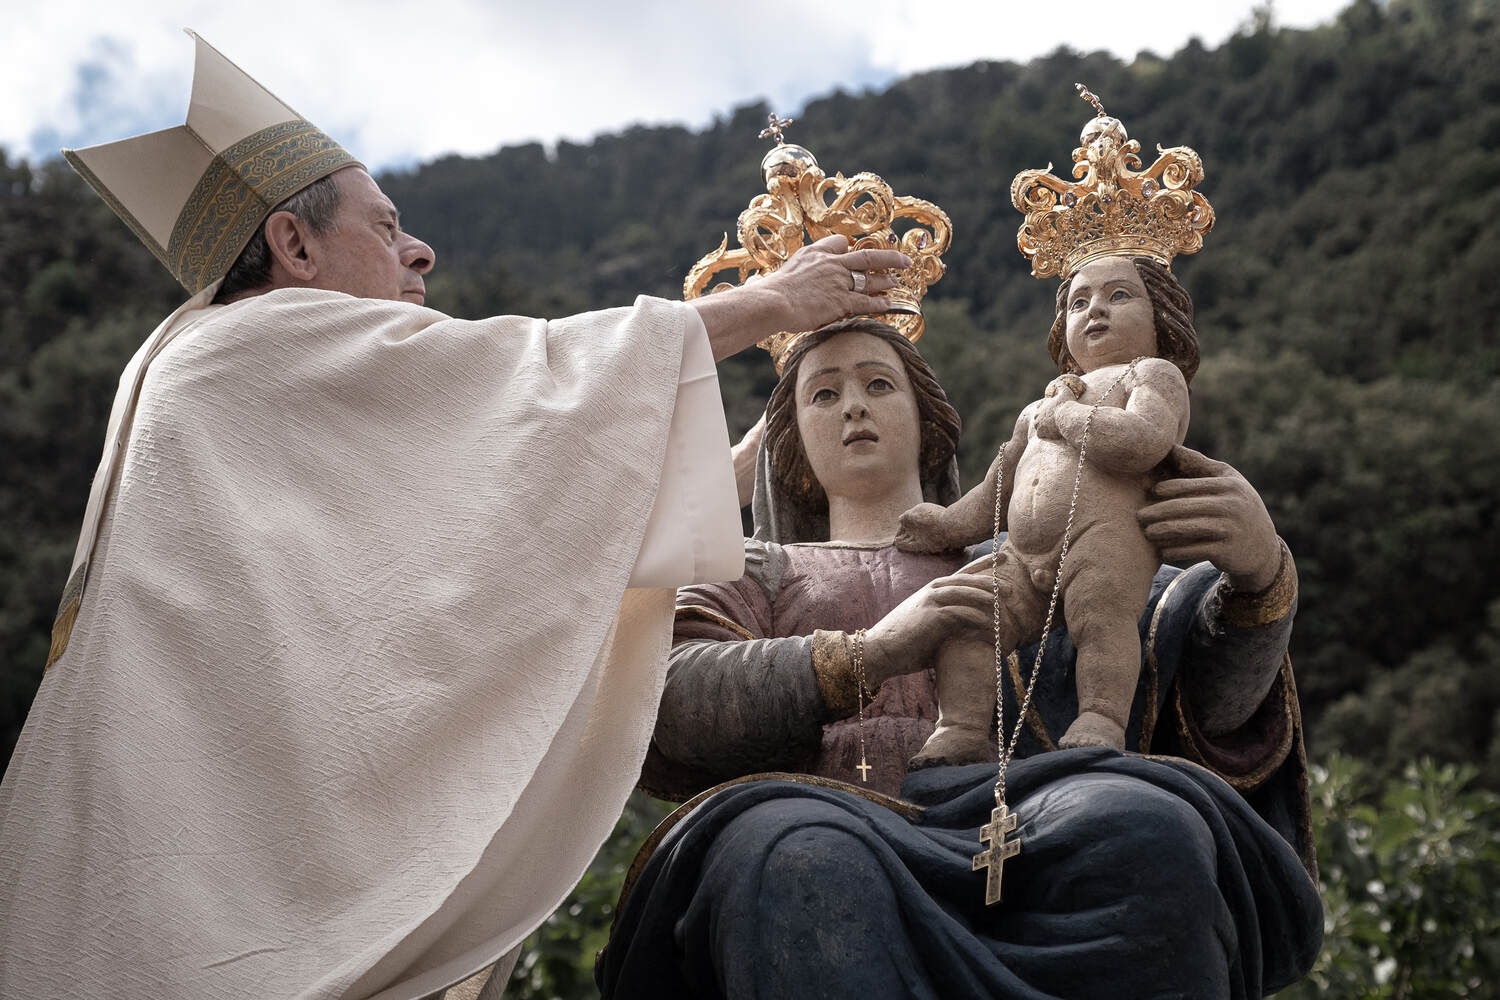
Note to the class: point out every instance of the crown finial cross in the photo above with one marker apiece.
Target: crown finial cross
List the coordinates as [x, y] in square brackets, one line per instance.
[1092, 98]
[773, 130]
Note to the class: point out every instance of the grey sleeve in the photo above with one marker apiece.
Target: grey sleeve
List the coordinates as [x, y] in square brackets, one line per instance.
[737, 707]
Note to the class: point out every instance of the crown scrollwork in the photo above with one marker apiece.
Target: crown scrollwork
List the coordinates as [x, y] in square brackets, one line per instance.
[803, 205]
[1113, 206]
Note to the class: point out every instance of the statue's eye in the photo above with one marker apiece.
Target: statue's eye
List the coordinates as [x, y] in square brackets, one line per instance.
[824, 395]
[1120, 295]
[880, 385]
[1078, 303]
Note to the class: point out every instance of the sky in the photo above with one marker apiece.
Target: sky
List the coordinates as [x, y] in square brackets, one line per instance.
[400, 83]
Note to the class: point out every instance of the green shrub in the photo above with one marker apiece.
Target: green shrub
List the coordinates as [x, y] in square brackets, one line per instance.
[1411, 884]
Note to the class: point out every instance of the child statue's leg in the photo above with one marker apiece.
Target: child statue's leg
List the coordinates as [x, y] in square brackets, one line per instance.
[1103, 599]
[966, 675]
[1106, 686]
[966, 706]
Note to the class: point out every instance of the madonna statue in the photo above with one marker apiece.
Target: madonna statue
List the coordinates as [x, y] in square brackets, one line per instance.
[1180, 867]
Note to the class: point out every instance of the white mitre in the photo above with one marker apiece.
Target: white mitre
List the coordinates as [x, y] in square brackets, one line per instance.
[195, 193]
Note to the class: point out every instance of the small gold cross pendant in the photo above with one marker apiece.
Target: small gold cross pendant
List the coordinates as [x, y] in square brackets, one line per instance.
[1002, 821]
[863, 769]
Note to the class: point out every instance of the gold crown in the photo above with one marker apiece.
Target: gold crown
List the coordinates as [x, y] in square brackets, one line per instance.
[1116, 208]
[802, 205]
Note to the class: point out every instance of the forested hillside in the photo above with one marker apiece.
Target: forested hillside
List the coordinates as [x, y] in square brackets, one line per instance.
[1345, 301]
[1346, 304]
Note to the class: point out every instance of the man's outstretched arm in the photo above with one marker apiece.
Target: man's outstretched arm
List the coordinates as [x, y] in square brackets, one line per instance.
[814, 288]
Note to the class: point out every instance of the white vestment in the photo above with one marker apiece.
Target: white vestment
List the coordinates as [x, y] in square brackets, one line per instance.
[374, 630]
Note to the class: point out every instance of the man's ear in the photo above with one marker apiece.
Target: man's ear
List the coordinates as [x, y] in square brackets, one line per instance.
[286, 235]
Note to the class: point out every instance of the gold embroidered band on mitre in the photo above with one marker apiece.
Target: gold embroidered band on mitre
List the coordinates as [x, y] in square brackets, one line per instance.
[239, 189]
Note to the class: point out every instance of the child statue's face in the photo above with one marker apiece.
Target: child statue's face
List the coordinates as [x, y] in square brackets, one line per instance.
[1109, 315]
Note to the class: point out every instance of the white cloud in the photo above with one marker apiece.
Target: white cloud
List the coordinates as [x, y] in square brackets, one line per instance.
[398, 82]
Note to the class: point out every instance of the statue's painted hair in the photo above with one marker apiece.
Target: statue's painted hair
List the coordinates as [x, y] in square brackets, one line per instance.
[939, 421]
[1171, 311]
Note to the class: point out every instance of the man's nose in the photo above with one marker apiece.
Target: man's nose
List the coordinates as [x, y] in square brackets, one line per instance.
[418, 256]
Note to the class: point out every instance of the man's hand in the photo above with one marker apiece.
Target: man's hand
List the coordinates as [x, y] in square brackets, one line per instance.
[820, 283]
[826, 281]
[1212, 512]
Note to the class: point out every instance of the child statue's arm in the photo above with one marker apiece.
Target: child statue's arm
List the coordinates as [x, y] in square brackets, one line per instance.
[1132, 440]
[929, 527]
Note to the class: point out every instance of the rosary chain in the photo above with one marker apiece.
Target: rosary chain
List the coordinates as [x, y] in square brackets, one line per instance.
[857, 654]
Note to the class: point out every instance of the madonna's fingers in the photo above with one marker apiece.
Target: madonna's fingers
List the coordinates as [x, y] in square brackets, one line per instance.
[1171, 488]
[982, 563]
[973, 617]
[1186, 555]
[1167, 534]
[961, 587]
[1183, 508]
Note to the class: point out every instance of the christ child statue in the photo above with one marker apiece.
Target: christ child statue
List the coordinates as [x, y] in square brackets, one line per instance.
[1123, 338]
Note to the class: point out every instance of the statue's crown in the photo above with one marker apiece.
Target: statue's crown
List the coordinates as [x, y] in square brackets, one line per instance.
[1115, 208]
[802, 205]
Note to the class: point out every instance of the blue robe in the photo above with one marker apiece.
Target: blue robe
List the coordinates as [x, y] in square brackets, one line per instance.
[1139, 875]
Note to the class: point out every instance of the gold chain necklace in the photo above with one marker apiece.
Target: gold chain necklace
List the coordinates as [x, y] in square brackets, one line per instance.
[1002, 820]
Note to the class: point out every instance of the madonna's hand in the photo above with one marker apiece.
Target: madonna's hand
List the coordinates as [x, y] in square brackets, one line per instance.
[951, 607]
[1209, 511]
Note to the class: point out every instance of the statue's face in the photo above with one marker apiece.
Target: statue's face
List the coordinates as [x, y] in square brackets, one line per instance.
[1109, 315]
[857, 416]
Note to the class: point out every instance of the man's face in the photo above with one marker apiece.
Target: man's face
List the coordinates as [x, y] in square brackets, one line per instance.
[1110, 319]
[366, 253]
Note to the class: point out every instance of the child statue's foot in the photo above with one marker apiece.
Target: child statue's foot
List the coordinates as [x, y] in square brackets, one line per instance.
[954, 745]
[1091, 729]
